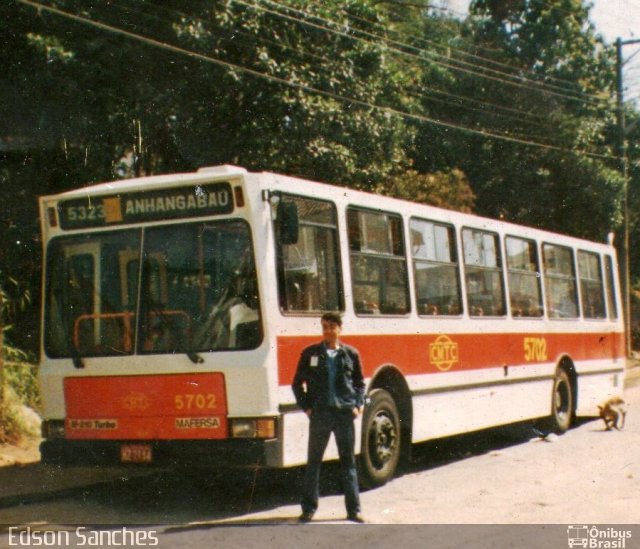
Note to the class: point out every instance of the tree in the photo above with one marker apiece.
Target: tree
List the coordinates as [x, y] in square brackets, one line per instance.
[12, 297]
[90, 105]
[535, 73]
[300, 87]
[449, 189]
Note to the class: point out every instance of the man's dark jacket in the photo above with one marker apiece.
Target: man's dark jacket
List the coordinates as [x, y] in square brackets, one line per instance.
[349, 382]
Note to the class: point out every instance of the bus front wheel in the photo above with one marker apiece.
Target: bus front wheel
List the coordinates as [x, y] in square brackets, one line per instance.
[380, 449]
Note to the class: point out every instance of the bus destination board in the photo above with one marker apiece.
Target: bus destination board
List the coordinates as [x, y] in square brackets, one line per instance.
[140, 206]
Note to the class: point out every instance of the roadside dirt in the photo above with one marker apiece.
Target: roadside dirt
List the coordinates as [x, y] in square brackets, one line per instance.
[21, 454]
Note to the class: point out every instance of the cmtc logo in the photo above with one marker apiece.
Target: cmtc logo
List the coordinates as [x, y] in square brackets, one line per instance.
[595, 537]
[136, 402]
[443, 353]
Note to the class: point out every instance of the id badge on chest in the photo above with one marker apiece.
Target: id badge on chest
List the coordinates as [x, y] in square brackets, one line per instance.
[313, 362]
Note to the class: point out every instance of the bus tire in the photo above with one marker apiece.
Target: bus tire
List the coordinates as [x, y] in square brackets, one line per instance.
[561, 403]
[381, 440]
[55, 452]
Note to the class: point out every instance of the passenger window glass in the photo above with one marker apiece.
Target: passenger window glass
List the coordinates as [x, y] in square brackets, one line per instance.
[309, 274]
[378, 263]
[199, 289]
[611, 289]
[591, 285]
[525, 293]
[90, 301]
[435, 268]
[560, 282]
[483, 273]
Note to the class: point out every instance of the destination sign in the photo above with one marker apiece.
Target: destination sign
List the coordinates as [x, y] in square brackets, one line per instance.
[139, 206]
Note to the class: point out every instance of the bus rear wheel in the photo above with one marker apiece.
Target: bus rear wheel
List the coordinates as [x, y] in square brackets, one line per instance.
[380, 449]
[561, 403]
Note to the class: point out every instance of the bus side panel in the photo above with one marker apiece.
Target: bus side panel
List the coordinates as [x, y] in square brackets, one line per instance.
[470, 409]
[594, 389]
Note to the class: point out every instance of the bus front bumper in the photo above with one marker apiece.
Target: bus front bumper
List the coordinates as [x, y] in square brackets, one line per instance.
[227, 453]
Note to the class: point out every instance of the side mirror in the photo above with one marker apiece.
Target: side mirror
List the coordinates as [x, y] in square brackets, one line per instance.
[288, 222]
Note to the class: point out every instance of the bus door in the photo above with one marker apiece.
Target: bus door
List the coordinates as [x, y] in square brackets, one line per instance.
[92, 284]
[83, 271]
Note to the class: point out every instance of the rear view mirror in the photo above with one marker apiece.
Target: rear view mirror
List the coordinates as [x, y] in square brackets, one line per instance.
[288, 222]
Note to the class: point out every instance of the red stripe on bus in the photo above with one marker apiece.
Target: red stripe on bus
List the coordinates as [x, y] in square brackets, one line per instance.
[184, 406]
[434, 353]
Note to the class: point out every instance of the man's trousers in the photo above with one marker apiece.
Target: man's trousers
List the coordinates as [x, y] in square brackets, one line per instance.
[322, 423]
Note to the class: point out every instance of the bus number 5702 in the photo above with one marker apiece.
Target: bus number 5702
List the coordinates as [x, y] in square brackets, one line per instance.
[197, 402]
[535, 349]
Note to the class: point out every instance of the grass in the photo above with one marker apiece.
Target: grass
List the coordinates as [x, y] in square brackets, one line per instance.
[20, 391]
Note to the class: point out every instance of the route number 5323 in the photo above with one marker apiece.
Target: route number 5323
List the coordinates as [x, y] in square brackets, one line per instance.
[535, 349]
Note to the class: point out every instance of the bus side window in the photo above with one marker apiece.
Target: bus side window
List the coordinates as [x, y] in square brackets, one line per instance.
[483, 273]
[435, 268]
[611, 289]
[560, 281]
[591, 285]
[378, 263]
[523, 267]
[309, 273]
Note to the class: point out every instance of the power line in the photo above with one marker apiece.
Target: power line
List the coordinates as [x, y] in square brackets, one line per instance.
[424, 90]
[296, 85]
[418, 92]
[421, 91]
[520, 83]
[297, 52]
[448, 47]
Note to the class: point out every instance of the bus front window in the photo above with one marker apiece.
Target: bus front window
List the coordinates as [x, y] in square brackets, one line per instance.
[90, 310]
[194, 290]
[199, 289]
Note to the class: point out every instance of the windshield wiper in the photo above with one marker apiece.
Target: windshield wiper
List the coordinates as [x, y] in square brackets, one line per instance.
[75, 354]
[195, 357]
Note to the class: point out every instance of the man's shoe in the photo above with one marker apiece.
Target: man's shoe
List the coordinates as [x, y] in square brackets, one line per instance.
[306, 516]
[356, 517]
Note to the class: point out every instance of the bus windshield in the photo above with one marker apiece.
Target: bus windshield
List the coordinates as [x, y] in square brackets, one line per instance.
[194, 290]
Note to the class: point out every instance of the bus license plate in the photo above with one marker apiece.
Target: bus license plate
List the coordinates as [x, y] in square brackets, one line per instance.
[136, 453]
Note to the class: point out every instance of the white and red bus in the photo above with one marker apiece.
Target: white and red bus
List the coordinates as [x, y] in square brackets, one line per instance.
[175, 308]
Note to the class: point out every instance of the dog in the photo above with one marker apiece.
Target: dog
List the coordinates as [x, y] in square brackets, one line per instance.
[614, 412]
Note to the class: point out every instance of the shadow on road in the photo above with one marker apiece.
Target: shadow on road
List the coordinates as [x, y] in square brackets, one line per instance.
[198, 497]
[440, 452]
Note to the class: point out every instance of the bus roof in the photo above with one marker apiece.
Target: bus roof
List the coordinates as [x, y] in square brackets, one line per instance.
[150, 181]
[331, 191]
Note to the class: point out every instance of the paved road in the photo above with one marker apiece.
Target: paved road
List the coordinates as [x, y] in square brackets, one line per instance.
[504, 476]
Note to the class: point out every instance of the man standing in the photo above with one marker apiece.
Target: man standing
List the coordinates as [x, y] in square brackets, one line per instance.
[329, 387]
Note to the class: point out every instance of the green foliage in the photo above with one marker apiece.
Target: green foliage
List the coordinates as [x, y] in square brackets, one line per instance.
[443, 189]
[300, 87]
[19, 391]
[17, 424]
[553, 87]
[11, 428]
[21, 373]
[13, 297]
[290, 128]
[635, 318]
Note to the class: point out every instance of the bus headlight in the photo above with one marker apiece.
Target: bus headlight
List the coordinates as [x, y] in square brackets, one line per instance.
[253, 427]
